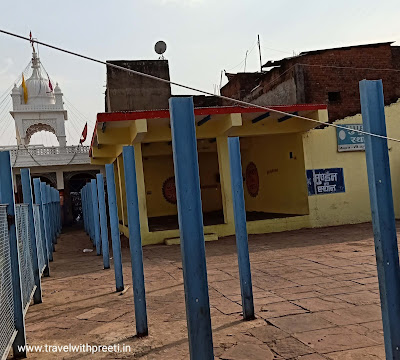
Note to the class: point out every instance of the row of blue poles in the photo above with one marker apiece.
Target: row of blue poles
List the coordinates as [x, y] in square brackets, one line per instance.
[190, 224]
[96, 226]
[50, 224]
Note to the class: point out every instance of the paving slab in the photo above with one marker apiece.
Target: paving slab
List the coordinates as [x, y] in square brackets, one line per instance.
[334, 339]
[315, 294]
[301, 322]
[248, 351]
[353, 315]
[290, 348]
[283, 308]
[321, 303]
[368, 353]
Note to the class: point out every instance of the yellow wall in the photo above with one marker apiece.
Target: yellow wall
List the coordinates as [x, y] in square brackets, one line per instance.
[283, 187]
[353, 206]
[159, 167]
[211, 197]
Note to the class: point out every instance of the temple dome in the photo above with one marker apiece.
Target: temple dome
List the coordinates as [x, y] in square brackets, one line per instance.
[39, 92]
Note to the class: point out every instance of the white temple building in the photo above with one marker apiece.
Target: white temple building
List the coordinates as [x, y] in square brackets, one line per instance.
[66, 168]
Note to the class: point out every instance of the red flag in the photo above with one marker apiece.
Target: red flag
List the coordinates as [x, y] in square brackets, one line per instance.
[84, 134]
[50, 86]
[31, 40]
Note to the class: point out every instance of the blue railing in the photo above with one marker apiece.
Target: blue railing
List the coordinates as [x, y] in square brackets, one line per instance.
[28, 234]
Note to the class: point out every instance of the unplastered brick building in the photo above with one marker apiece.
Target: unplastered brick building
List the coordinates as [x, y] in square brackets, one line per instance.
[328, 76]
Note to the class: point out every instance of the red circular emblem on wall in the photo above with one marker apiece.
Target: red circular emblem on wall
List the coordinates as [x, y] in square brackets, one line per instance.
[169, 190]
[252, 179]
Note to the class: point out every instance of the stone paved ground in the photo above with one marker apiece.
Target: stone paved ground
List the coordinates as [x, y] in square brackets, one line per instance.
[315, 291]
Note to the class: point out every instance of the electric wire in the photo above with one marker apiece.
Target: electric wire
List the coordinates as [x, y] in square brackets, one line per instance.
[235, 101]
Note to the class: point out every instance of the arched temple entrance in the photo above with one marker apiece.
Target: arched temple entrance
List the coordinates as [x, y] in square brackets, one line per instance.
[39, 134]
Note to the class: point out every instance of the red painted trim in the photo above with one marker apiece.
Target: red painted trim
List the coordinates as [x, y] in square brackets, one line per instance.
[164, 114]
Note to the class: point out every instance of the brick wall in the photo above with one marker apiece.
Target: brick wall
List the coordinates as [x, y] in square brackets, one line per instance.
[240, 85]
[315, 82]
[319, 81]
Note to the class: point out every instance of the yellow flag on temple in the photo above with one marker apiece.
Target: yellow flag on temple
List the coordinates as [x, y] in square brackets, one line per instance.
[25, 89]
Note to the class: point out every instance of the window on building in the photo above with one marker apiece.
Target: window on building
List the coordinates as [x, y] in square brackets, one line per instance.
[334, 97]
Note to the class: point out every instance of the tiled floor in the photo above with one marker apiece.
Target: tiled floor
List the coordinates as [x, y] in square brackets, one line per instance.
[315, 293]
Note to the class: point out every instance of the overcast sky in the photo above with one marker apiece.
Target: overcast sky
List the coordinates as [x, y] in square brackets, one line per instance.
[203, 38]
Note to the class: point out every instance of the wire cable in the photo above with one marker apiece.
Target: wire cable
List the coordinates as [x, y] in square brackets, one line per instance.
[152, 77]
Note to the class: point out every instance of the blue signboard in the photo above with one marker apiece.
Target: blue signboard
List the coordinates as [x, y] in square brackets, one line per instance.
[350, 140]
[325, 181]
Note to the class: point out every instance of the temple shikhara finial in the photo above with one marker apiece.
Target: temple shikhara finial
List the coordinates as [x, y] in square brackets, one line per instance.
[36, 107]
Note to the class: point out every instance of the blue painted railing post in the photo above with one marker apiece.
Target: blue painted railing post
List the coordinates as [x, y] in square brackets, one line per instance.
[27, 196]
[103, 221]
[7, 197]
[38, 201]
[383, 217]
[83, 209]
[91, 218]
[114, 224]
[242, 244]
[190, 216]
[86, 209]
[96, 221]
[46, 218]
[135, 241]
[58, 211]
[50, 214]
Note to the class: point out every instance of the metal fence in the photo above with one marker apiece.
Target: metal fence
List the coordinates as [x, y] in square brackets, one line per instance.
[8, 331]
[28, 234]
[41, 245]
[25, 253]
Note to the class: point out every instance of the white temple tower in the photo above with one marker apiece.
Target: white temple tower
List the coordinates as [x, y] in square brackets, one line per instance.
[44, 109]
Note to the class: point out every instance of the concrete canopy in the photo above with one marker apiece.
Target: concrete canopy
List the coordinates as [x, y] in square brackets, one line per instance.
[116, 129]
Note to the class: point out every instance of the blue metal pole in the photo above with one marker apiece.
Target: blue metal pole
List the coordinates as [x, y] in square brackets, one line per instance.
[89, 211]
[84, 210]
[96, 222]
[46, 218]
[38, 201]
[27, 196]
[51, 210]
[190, 216]
[113, 214]
[92, 231]
[242, 244]
[54, 193]
[135, 241]
[7, 197]
[58, 211]
[103, 221]
[383, 217]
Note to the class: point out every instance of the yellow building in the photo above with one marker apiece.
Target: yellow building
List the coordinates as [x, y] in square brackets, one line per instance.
[294, 176]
